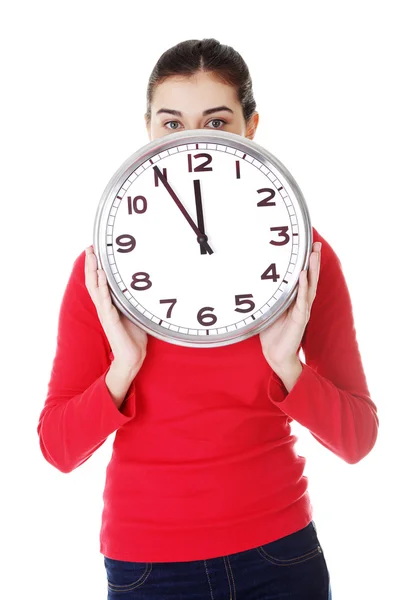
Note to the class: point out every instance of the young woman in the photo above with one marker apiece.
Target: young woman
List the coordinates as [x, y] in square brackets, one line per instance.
[205, 495]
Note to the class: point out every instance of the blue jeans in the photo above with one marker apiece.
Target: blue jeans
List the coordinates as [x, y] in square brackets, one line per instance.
[292, 567]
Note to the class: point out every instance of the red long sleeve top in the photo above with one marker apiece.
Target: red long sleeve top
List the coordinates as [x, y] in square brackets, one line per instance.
[203, 461]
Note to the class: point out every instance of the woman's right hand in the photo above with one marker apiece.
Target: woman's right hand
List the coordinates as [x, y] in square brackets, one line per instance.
[128, 341]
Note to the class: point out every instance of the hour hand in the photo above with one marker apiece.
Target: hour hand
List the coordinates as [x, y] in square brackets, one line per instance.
[201, 236]
[199, 210]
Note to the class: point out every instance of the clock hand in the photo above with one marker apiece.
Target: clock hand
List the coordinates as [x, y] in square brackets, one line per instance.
[199, 208]
[201, 236]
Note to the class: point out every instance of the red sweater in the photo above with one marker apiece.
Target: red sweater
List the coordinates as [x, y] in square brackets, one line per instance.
[203, 461]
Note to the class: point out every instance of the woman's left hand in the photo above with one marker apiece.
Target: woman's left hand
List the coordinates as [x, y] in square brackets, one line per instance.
[280, 342]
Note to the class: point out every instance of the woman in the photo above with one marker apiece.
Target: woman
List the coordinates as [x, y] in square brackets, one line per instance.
[205, 495]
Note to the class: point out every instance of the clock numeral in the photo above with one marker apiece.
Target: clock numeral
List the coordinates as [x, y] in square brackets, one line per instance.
[127, 246]
[267, 201]
[274, 276]
[174, 301]
[141, 277]
[241, 300]
[135, 205]
[157, 177]
[201, 316]
[203, 166]
[283, 232]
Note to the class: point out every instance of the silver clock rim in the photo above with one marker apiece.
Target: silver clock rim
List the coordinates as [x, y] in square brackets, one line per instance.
[160, 145]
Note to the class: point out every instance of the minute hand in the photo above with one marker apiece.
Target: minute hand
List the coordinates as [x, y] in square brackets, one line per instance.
[201, 237]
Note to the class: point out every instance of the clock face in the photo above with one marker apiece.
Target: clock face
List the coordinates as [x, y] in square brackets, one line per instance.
[202, 236]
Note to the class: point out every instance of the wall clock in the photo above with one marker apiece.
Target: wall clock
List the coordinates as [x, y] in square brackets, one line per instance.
[202, 236]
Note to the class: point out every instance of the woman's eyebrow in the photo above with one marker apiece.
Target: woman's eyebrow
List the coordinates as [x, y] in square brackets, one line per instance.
[177, 113]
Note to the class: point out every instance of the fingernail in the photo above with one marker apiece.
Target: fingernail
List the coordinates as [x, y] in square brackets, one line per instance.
[318, 246]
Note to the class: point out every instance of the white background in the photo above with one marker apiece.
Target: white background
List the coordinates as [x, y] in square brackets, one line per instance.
[74, 77]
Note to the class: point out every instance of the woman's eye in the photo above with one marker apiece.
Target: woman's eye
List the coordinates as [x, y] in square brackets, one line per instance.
[217, 121]
[168, 122]
[175, 124]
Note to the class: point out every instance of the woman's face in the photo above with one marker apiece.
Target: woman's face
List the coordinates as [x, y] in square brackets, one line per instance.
[183, 102]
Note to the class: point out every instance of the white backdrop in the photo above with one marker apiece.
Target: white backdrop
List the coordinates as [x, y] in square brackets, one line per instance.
[74, 76]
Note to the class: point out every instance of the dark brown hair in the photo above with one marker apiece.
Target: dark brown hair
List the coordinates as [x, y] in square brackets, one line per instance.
[191, 56]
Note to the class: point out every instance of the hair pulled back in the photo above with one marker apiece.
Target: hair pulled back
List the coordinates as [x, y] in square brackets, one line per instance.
[208, 55]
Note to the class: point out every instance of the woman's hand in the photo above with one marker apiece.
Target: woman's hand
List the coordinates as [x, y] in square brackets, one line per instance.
[280, 342]
[128, 341]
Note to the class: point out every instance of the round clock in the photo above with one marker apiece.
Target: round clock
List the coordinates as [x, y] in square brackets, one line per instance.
[202, 236]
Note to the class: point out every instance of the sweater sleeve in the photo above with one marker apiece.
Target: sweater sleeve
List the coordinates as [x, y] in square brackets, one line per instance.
[79, 412]
[331, 397]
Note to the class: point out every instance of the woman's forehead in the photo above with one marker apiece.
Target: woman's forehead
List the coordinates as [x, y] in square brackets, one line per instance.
[191, 93]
